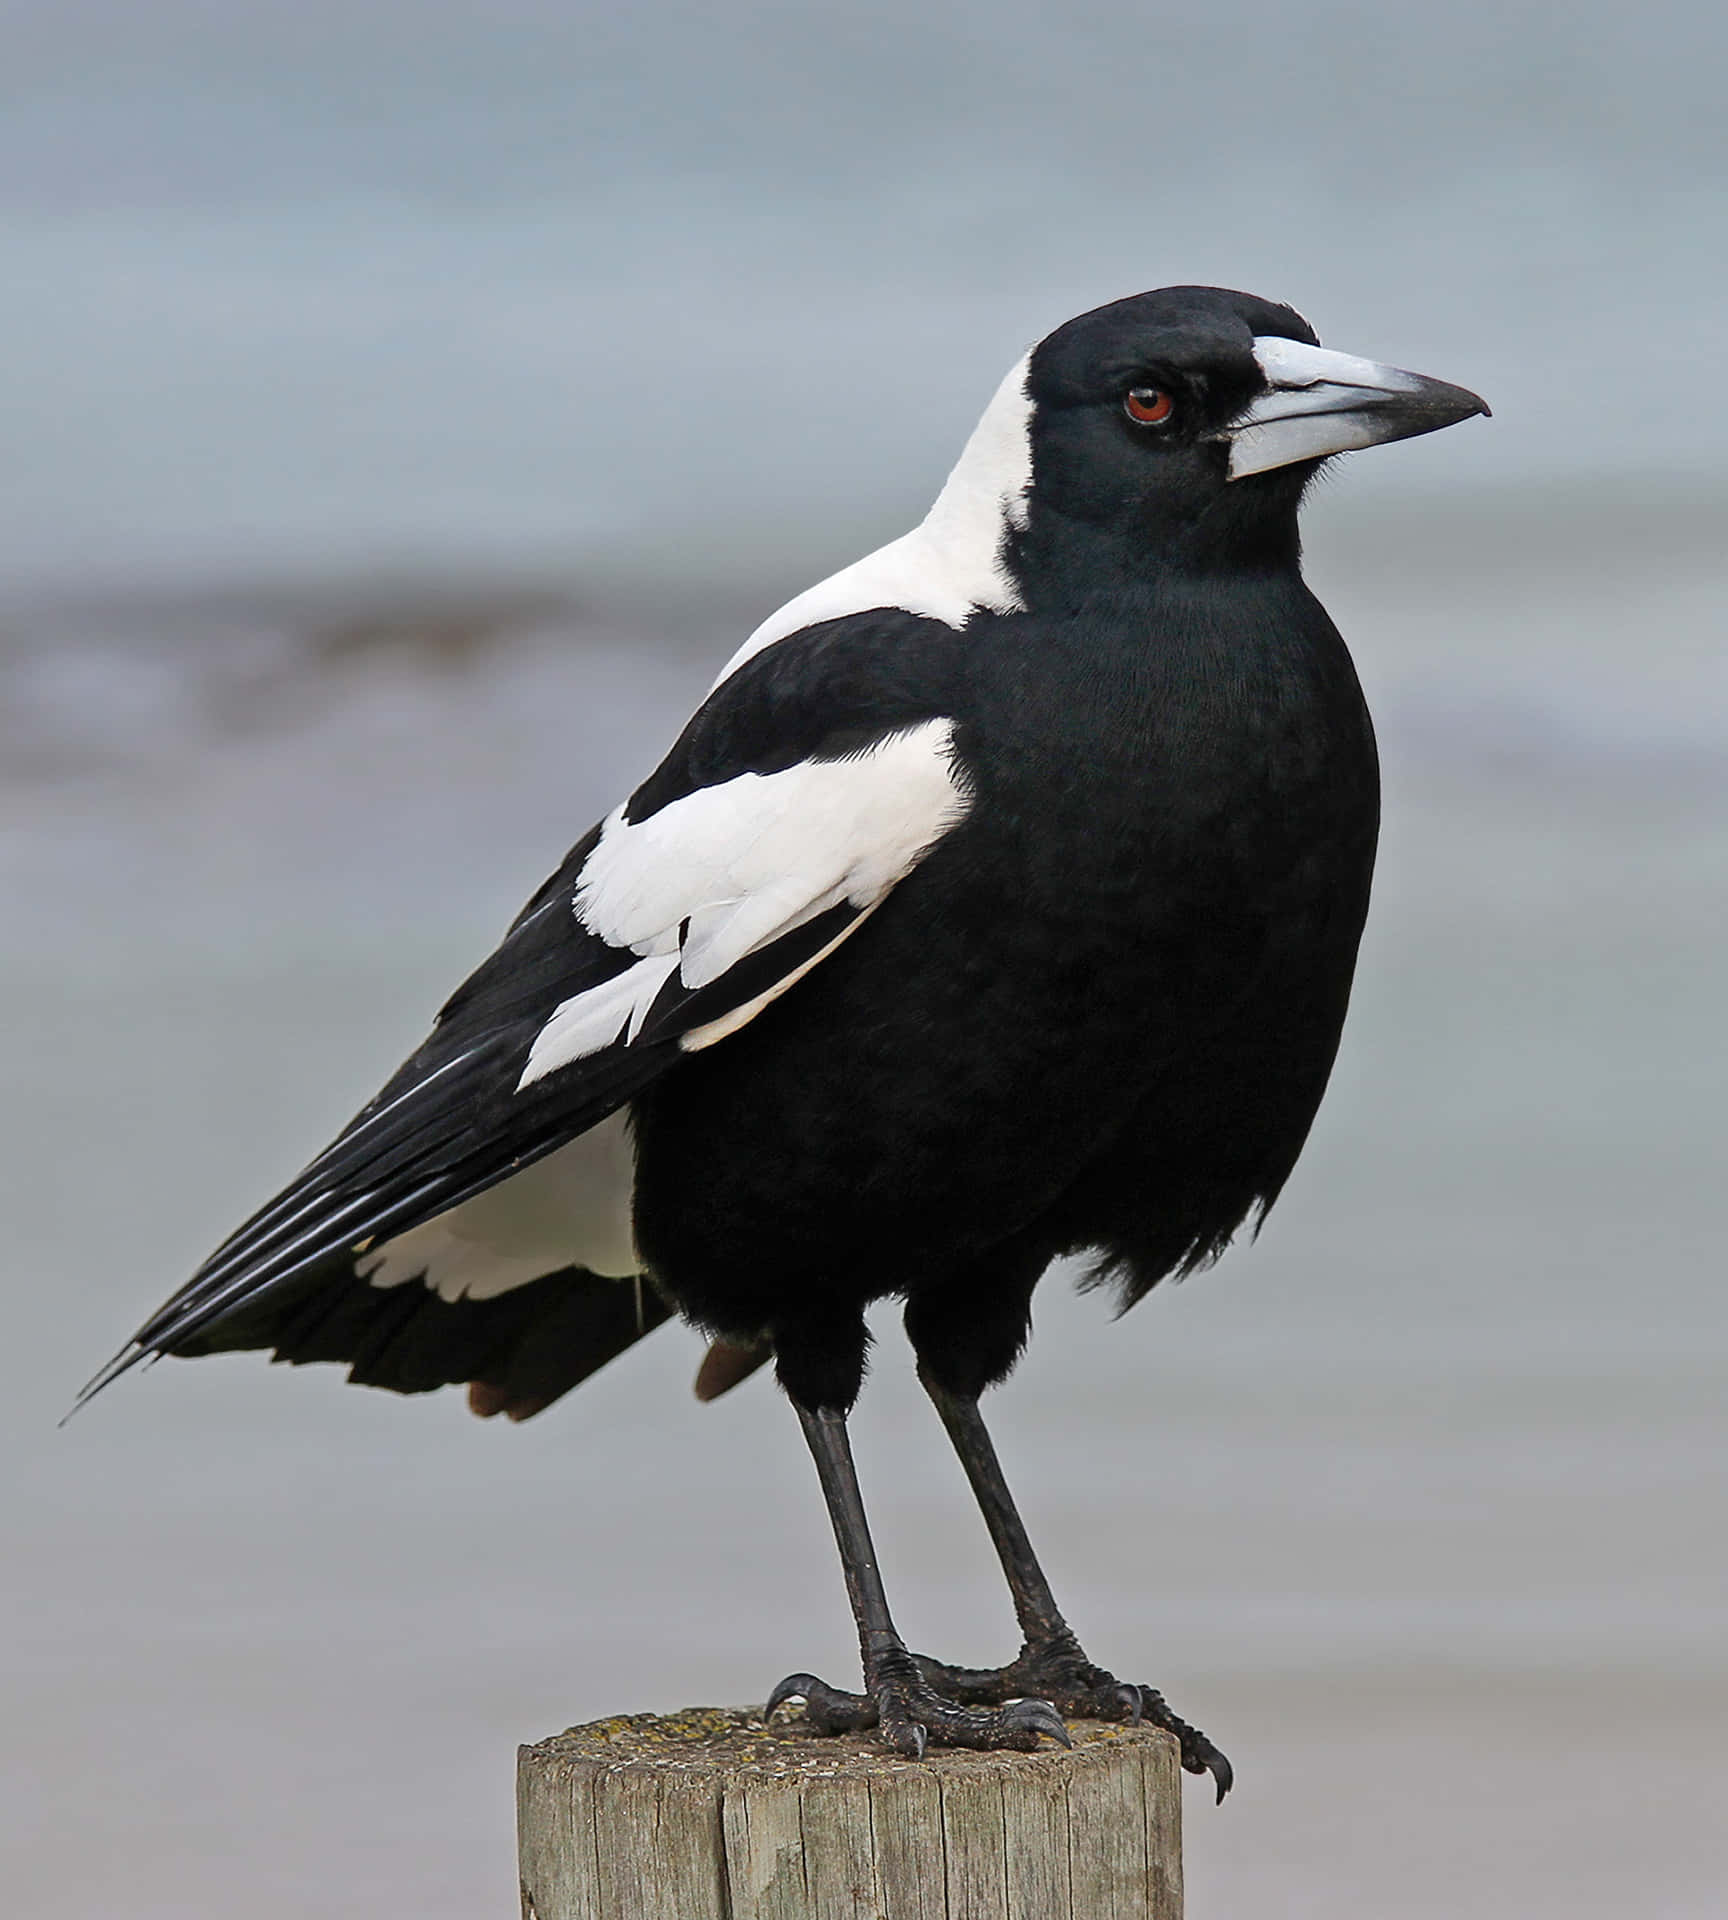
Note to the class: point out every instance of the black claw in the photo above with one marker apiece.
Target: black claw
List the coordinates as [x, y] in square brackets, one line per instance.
[1133, 1703]
[796, 1686]
[1038, 1716]
[828, 1709]
[1198, 1753]
[909, 1738]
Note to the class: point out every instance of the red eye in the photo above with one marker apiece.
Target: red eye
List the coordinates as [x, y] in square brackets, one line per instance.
[1149, 406]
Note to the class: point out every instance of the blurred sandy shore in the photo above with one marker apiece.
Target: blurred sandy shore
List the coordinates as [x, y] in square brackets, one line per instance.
[1527, 628]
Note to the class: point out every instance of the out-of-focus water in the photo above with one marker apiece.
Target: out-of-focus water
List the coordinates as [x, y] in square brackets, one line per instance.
[1415, 1505]
[310, 285]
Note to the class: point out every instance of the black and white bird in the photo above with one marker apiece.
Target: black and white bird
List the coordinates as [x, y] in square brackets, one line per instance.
[999, 903]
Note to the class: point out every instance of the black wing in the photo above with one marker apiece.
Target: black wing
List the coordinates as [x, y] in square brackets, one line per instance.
[476, 1103]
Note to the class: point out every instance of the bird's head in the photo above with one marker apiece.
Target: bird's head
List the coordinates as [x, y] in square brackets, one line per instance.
[1178, 428]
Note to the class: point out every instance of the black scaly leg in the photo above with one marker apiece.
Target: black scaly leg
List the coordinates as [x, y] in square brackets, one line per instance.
[897, 1697]
[1051, 1663]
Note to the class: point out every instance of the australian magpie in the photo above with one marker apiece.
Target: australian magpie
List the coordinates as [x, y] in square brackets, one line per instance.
[1000, 902]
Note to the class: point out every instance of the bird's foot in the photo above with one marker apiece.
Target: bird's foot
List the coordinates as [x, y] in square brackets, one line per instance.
[910, 1713]
[1058, 1671]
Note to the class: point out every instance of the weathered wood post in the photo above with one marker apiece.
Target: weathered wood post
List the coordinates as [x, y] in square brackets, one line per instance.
[710, 1815]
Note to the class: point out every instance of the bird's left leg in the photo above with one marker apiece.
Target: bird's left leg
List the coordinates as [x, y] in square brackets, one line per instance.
[1050, 1663]
[820, 1368]
[897, 1697]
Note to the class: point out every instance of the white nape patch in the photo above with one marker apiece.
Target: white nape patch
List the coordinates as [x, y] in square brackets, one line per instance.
[571, 1209]
[728, 869]
[951, 563]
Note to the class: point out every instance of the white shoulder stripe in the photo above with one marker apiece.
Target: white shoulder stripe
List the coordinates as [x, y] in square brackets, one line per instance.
[728, 1023]
[765, 852]
[950, 564]
[726, 870]
[596, 1019]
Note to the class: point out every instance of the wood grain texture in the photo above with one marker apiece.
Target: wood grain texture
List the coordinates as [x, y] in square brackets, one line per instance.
[711, 1815]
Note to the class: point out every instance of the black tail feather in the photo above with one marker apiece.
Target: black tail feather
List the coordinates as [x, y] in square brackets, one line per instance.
[526, 1347]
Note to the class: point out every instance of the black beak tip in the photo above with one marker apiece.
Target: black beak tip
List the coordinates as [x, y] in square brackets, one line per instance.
[1461, 404]
[1435, 404]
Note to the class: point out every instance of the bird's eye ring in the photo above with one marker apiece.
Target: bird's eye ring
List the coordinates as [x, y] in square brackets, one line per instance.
[1149, 406]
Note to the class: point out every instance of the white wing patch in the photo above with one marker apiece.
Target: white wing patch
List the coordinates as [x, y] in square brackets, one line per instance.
[571, 1209]
[593, 1020]
[741, 1016]
[951, 563]
[713, 877]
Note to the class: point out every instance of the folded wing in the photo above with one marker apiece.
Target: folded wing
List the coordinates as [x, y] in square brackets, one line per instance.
[810, 781]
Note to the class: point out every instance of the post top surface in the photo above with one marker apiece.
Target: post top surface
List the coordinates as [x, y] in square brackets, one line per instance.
[733, 1740]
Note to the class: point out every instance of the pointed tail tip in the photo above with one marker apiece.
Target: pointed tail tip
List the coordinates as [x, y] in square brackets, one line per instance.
[123, 1362]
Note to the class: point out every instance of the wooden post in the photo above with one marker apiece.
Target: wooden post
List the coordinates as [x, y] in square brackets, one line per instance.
[710, 1815]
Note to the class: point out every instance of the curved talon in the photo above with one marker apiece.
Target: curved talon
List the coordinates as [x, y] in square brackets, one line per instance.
[1133, 1704]
[908, 1737]
[827, 1708]
[1038, 1716]
[796, 1686]
[1198, 1753]
[1202, 1757]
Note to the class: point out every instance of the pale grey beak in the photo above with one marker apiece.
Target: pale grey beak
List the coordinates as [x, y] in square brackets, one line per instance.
[1322, 403]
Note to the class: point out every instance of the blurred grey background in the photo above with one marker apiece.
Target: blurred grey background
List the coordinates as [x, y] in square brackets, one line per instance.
[405, 408]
